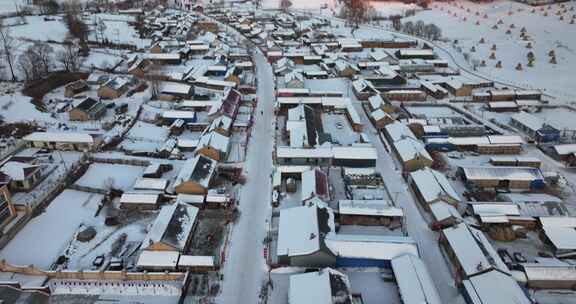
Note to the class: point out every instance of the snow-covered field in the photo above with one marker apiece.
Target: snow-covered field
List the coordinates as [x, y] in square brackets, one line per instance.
[45, 237]
[98, 176]
[466, 22]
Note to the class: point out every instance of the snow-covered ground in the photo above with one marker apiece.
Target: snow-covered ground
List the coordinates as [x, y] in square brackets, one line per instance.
[458, 21]
[245, 266]
[98, 176]
[45, 237]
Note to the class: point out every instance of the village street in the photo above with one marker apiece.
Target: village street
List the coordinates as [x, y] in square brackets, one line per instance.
[416, 225]
[245, 266]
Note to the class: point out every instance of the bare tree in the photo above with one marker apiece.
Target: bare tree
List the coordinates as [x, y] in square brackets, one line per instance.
[154, 76]
[100, 29]
[285, 5]
[36, 61]
[355, 12]
[8, 48]
[70, 57]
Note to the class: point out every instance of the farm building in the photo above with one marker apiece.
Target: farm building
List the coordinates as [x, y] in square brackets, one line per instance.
[60, 141]
[173, 228]
[195, 176]
[515, 161]
[503, 177]
[87, 109]
[163, 58]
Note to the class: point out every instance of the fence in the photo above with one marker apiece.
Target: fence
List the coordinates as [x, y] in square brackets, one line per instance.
[92, 275]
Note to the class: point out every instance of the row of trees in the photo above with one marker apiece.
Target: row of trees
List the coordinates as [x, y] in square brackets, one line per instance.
[420, 29]
[38, 59]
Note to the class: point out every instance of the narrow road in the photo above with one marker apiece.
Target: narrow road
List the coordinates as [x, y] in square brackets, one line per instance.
[416, 225]
[245, 267]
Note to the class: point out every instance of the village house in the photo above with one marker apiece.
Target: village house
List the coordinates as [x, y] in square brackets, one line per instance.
[60, 141]
[566, 153]
[326, 286]
[76, 87]
[23, 176]
[432, 187]
[213, 145]
[170, 91]
[87, 109]
[301, 234]
[294, 80]
[114, 88]
[173, 228]
[195, 176]
[163, 58]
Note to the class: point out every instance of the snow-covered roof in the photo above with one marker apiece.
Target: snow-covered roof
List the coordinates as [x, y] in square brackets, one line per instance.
[374, 247]
[443, 211]
[414, 281]
[472, 249]
[60, 137]
[398, 131]
[366, 152]
[199, 169]
[299, 230]
[151, 184]
[139, 198]
[528, 120]
[214, 140]
[161, 56]
[502, 173]
[369, 208]
[176, 88]
[565, 149]
[175, 114]
[494, 287]
[409, 149]
[18, 171]
[196, 261]
[288, 152]
[433, 185]
[561, 231]
[158, 259]
[317, 287]
[172, 226]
